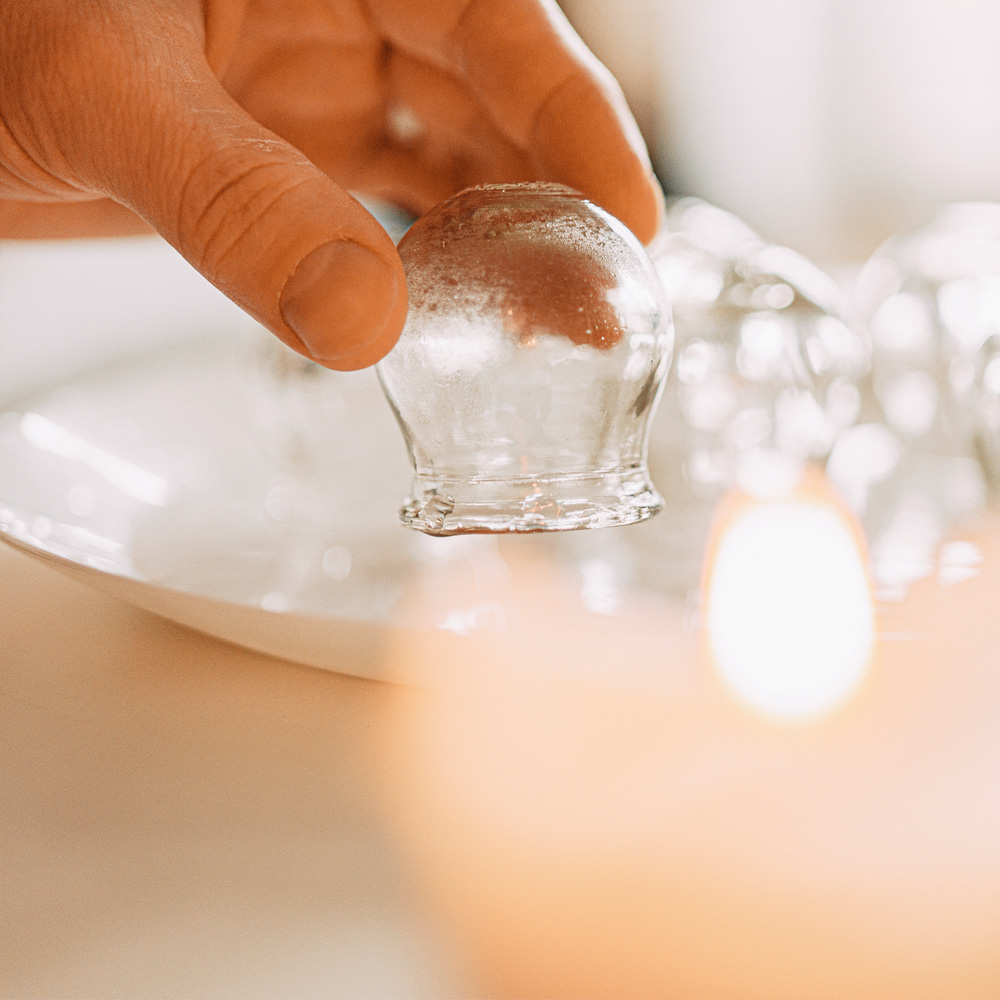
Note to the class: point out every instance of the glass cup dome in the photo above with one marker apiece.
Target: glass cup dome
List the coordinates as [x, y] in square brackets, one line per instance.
[534, 352]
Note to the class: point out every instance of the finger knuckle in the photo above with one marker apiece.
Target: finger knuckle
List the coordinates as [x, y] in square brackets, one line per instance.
[225, 198]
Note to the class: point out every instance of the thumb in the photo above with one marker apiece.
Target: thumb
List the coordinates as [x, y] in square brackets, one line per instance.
[247, 209]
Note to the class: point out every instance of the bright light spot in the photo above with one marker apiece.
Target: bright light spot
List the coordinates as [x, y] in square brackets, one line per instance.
[711, 228]
[461, 348]
[275, 600]
[790, 617]
[958, 561]
[901, 323]
[837, 338]
[970, 308]
[136, 482]
[763, 337]
[843, 402]
[777, 296]
[633, 297]
[687, 279]
[863, 455]
[404, 125]
[705, 287]
[694, 362]
[811, 283]
[762, 343]
[910, 401]
[336, 562]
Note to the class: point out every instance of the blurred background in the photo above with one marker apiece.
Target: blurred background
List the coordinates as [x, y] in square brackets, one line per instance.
[826, 124]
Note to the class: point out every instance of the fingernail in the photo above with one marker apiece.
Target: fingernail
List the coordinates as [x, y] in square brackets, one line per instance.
[339, 298]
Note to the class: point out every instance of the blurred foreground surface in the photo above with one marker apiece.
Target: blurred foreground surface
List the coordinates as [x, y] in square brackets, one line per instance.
[573, 809]
[185, 818]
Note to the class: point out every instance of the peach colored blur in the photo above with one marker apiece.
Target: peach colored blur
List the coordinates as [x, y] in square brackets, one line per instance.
[621, 806]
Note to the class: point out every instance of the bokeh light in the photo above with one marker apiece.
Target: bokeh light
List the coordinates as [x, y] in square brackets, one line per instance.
[789, 612]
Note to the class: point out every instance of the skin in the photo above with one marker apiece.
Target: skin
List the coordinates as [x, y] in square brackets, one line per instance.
[235, 129]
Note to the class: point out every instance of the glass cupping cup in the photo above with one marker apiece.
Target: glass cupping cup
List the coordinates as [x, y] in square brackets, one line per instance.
[535, 348]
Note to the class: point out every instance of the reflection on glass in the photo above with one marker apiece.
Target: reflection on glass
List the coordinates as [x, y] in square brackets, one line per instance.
[534, 349]
[767, 366]
[931, 301]
[931, 298]
[788, 607]
[768, 377]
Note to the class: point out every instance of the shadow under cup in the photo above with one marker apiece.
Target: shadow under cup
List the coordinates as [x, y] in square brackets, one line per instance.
[534, 352]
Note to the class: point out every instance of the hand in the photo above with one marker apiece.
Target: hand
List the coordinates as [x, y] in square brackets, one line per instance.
[235, 128]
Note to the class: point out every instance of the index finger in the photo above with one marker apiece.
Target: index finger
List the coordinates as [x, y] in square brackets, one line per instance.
[545, 90]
